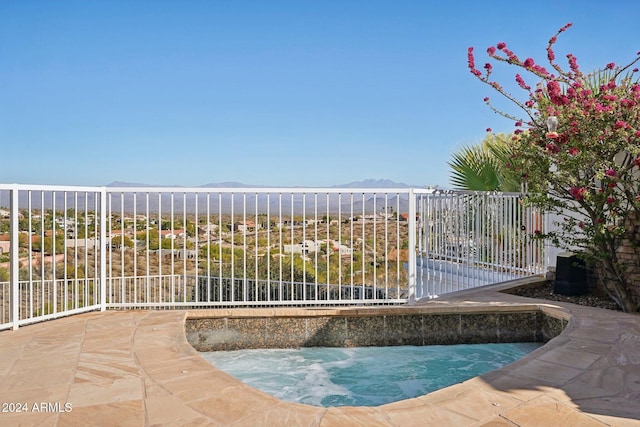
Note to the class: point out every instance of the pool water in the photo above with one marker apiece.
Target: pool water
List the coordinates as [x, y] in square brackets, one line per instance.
[363, 376]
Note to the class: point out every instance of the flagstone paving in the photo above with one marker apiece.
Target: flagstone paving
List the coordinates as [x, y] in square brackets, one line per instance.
[136, 368]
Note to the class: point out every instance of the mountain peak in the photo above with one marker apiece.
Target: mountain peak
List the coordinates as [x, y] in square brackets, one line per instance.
[374, 183]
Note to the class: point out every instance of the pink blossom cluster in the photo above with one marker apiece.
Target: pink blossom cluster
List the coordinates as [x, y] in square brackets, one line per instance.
[552, 148]
[578, 193]
[556, 94]
[521, 82]
[591, 117]
[573, 63]
[471, 63]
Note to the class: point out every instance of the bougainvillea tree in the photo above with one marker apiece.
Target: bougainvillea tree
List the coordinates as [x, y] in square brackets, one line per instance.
[577, 136]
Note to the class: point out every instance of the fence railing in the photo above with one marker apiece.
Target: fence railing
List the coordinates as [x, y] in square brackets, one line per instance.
[471, 239]
[66, 250]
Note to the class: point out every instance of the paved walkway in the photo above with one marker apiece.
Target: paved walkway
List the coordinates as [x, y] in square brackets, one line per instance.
[135, 368]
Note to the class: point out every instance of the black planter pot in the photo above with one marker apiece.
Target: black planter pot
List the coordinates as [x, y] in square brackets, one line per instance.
[571, 275]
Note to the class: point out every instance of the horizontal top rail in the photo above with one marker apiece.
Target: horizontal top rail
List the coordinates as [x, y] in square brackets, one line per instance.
[39, 187]
[290, 190]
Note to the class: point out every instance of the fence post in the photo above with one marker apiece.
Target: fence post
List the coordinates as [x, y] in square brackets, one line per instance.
[411, 268]
[14, 261]
[103, 248]
[550, 250]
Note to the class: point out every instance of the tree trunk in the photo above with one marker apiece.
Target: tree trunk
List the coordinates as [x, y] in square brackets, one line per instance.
[615, 283]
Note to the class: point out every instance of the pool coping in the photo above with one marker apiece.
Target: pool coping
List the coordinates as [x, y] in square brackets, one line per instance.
[137, 368]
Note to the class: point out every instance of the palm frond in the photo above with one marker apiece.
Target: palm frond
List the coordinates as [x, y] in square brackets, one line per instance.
[473, 168]
[501, 150]
[483, 167]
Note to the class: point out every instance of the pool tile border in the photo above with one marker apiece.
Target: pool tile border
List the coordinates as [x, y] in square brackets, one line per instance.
[371, 328]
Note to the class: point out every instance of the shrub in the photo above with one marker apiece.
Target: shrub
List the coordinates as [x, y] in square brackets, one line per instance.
[579, 136]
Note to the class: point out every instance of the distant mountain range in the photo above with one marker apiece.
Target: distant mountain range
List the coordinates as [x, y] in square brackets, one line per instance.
[367, 183]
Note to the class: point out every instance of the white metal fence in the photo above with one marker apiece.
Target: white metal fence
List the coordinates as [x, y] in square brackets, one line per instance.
[467, 239]
[67, 250]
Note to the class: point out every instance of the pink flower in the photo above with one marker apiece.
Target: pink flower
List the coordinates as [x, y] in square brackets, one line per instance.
[552, 148]
[486, 99]
[573, 64]
[573, 151]
[620, 124]
[521, 82]
[488, 129]
[611, 200]
[581, 224]
[511, 57]
[628, 103]
[502, 45]
[611, 65]
[565, 28]
[528, 62]
[578, 193]
[555, 92]
[491, 51]
[471, 63]
[551, 55]
[610, 172]
[540, 70]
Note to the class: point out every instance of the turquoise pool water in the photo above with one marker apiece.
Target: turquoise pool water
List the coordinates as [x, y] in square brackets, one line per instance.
[363, 376]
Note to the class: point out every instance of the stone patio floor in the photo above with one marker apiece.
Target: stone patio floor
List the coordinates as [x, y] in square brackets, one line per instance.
[135, 368]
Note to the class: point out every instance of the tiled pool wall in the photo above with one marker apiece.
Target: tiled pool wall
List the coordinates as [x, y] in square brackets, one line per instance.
[235, 332]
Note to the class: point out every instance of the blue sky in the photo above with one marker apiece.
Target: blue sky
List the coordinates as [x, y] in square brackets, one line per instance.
[280, 93]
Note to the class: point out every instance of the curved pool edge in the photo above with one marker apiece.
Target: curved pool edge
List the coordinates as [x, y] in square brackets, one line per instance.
[563, 380]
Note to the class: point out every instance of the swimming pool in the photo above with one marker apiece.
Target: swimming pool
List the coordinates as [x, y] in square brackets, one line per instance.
[363, 376]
